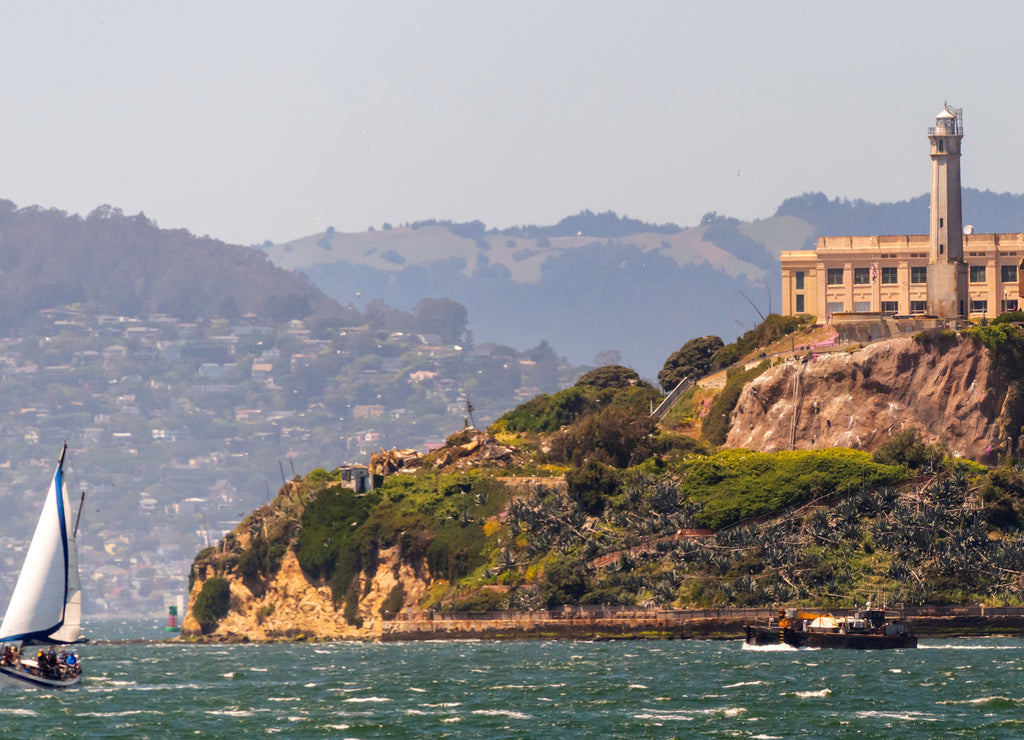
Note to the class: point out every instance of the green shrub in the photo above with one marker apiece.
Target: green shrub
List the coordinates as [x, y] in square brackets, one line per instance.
[772, 329]
[327, 524]
[739, 484]
[200, 562]
[394, 601]
[939, 339]
[318, 475]
[564, 582]
[212, 603]
[549, 413]
[692, 360]
[351, 611]
[906, 448]
[591, 485]
[614, 436]
[1005, 342]
[612, 376]
[252, 562]
[715, 428]
[456, 550]
[1010, 317]
[481, 601]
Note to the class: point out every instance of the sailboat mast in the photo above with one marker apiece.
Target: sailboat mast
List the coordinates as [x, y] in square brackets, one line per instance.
[81, 505]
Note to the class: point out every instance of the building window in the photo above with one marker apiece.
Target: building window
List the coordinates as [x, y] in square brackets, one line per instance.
[979, 306]
[977, 273]
[1009, 273]
[834, 276]
[889, 276]
[835, 307]
[918, 306]
[862, 306]
[800, 280]
[861, 276]
[799, 302]
[890, 307]
[1010, 305]
[940, 222]
[919, 274]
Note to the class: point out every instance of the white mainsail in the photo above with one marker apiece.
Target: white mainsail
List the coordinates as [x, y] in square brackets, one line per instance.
[46, 605]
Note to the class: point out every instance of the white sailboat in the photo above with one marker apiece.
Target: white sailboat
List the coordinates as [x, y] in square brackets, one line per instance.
[46, 605]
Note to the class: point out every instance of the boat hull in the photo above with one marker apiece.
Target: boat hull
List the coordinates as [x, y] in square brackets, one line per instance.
[852, 641]
[12, 677]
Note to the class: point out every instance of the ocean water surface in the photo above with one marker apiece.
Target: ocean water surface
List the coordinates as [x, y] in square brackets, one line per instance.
[945, 688]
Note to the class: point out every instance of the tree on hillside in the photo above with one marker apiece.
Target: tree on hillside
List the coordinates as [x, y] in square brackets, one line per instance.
[692, 360]
[611, 376]
[442, 316]
[380, 316]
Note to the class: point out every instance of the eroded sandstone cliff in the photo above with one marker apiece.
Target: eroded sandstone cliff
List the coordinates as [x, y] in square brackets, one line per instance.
[949, 389]
[292, 605]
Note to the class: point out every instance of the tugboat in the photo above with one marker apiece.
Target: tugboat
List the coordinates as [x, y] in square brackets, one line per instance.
[867, 629]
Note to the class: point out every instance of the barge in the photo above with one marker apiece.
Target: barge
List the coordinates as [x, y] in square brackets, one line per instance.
[867, 629]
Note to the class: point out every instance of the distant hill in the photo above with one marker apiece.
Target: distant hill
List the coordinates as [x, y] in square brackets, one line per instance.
[986, 211]
[127, 265]
[598, 288]
[597, 281]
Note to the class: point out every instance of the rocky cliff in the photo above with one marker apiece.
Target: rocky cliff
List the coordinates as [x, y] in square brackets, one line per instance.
[495, 525]
[292, 605]
[271, 597]
[949, 389]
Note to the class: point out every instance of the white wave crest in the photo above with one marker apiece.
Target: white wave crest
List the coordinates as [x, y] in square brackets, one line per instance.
[501, 713]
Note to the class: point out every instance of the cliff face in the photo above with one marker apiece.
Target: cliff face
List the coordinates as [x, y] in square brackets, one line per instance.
[292, 605]
[949, 390]
[281, 601]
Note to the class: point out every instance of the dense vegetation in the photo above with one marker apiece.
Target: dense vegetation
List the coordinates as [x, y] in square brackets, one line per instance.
[627, 513]
[127, 265]
[703, 355]
[605, 389]
[738, 484]
[213, 602]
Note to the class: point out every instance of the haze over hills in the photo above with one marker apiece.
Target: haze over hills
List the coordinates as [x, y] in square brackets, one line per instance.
[190, 375]
[128, 265]
[597, 281]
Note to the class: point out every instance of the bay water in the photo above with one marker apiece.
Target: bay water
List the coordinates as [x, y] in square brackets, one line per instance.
[946, 688]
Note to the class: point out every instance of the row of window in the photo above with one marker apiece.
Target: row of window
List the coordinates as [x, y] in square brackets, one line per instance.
[916, 307]
[890, 275]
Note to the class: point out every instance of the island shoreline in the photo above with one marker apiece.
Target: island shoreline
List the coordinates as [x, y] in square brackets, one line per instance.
[590, 623]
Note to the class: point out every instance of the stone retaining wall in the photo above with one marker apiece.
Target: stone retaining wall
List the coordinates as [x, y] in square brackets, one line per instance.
[589, 623]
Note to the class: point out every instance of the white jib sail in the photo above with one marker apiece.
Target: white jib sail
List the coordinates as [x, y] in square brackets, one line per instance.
[47, 599]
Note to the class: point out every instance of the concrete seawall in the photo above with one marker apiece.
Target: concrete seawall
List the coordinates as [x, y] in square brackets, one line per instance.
[589, 623]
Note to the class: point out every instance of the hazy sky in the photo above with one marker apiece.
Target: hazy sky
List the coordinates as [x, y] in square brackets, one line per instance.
[252, 120]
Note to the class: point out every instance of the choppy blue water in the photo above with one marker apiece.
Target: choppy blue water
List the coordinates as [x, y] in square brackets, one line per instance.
[946, 688]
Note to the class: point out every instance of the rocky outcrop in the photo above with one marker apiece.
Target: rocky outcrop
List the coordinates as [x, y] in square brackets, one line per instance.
[287, 603]
[293, 606]
[949, 389]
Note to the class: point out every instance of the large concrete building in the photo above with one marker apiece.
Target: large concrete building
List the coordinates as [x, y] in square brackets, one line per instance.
[948, 273]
